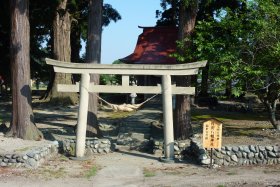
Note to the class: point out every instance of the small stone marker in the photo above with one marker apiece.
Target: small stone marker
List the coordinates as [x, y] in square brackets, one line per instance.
[212, 134]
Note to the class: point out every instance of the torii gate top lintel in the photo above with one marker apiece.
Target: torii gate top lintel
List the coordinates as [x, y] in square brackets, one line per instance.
[126, 69]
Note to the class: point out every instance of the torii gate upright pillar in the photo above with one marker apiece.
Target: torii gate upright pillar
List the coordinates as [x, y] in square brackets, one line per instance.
[82, 116]
[167, 119]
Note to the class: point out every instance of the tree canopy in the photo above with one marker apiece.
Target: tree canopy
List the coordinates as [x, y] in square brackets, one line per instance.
[242, 46]
[240, 40]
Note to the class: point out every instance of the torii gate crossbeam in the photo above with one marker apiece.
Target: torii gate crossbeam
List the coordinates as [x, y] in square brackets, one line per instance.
[166, 89]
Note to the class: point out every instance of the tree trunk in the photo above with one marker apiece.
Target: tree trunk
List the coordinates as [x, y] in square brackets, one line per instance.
[182, 125]
[182, 114]
[228, 92]
[22, 123]
[62, 52]
[272, 114]
[75, 49]
[93, 55]
[75, 44]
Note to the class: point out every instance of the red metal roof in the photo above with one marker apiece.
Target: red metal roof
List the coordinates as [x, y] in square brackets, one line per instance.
[154, 46]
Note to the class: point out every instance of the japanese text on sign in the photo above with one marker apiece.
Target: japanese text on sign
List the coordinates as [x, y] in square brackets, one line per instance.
[212, 134]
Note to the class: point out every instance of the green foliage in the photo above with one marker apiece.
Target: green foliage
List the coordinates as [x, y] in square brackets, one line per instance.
[199, 115]
[91, 172]
[190, 3]
[53, 173]
[170, 13]
[240, 40]
[110, 79]
[110, 14]
[117, 62]
[242, 46]
[149, 173]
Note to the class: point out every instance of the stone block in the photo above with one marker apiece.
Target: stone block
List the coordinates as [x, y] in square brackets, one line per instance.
[205, 161]
[223, 152]
[227, 158]
[259, 161]
[235, 149]
[31, 162]
[176, 148]
[239, 155]
[36, 157]
[99, 150]
[228, 148]
[229, 153]
[3, 164]
[252, 148]
[14, 156]
[219, 161]
[251, 155]
[241, 148]
[272, 154]
[269, 148]
[246, 149]
[107, 150]
[13, 160]
[8, 156]
[103, 145]
[203, 157]
[276, 149]
[234, 158]
[240, 161]
[261, 156]
[270, 161]
[182, 145]
[261, 148]
[256, 155]
[219, 155]
[226, 163]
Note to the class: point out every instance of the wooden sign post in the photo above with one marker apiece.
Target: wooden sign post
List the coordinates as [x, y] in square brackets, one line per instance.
[212, 135]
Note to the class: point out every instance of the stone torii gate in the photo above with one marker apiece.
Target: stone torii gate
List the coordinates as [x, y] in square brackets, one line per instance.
[166, 89]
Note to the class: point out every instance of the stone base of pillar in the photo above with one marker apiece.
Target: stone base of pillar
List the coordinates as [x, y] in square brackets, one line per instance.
[84, 158]
[166, 160]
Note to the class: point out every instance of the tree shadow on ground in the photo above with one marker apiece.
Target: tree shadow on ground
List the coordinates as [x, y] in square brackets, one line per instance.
[139, 154]
[204, 114]
[253, 132]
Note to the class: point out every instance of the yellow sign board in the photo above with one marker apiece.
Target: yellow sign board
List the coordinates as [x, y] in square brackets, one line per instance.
[212, 134]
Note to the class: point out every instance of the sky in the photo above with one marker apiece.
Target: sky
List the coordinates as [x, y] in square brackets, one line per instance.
[119, 39]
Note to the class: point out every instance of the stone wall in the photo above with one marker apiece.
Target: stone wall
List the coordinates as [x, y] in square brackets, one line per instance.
[34, 157]
[236, 155]
[179, 148]
[93, 146]
[31, 158]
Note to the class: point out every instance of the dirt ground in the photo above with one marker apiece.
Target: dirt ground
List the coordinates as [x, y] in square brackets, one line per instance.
[132, 168]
